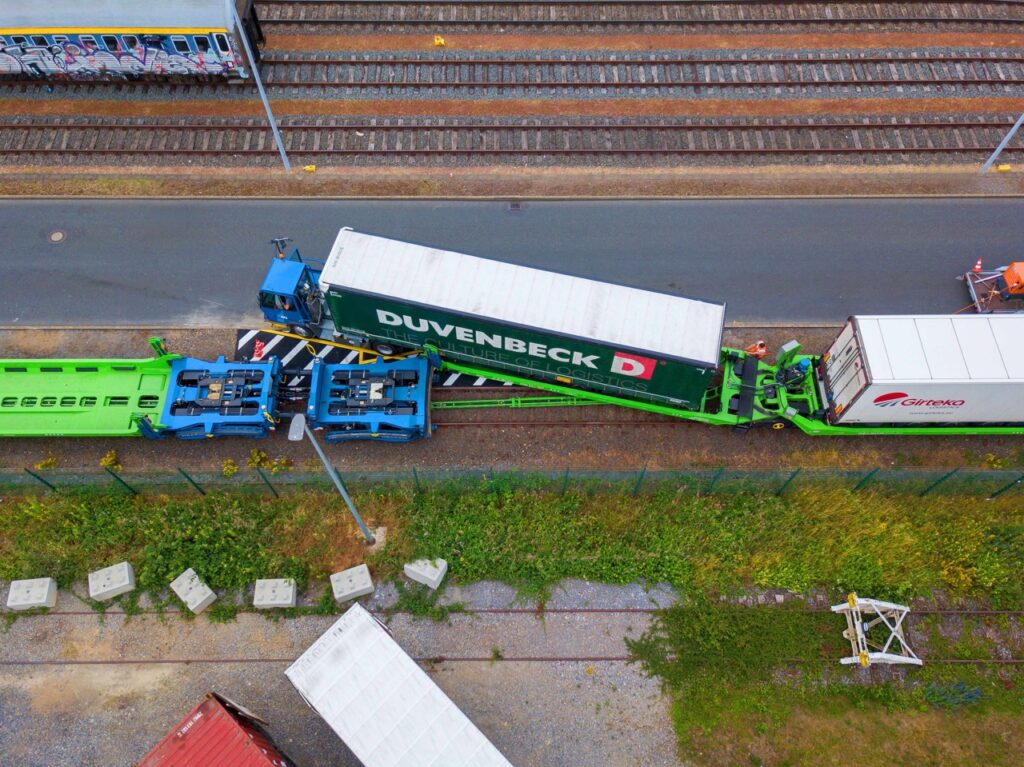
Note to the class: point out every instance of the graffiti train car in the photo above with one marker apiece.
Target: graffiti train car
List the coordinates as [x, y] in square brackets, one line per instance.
[126, 39]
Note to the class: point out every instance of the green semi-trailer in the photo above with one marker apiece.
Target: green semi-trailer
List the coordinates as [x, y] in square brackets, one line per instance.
[582, 339]
[532, 323]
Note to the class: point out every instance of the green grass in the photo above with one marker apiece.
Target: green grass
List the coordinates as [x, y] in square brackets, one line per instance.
[883, 545]
[762, 685]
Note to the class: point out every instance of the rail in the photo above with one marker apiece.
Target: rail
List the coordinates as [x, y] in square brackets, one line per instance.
[494, 140]
[618, 14]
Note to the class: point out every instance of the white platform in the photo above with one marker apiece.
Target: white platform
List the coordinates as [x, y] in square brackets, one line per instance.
[111, 581]
[429, 572]
[274, 592]
[196, 595]
[386, 708]
[32, 593]
[352, 583]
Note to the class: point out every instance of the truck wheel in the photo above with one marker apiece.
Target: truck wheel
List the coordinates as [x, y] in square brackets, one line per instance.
[386, 349]
[301, 330]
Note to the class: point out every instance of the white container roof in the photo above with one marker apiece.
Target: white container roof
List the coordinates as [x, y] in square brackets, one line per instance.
[952, 348]
[382, 704]
[616, 315]
[115, 14]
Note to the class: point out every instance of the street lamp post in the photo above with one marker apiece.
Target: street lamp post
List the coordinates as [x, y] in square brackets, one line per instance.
[296, 431]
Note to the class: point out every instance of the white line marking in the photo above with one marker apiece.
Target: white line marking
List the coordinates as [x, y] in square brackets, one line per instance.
[350, 357]
[451, 379]
[270, 345]
[300, 346]
[479, 382]
[246, 338]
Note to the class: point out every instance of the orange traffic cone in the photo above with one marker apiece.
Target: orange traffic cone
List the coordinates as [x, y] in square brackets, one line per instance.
[977, 266]
[758, 350]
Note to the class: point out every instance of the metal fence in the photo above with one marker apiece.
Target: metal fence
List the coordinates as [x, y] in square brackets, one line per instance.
[913, 481]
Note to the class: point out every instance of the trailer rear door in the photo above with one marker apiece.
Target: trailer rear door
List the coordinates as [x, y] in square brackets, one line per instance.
[845, 374]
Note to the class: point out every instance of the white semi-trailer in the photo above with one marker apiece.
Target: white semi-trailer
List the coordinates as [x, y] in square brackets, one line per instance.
[958, 369]
[382, 704]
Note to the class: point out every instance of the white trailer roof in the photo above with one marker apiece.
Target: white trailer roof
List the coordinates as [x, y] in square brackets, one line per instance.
[382, 704]
[972, 347]
[631, 318]
[115, 14]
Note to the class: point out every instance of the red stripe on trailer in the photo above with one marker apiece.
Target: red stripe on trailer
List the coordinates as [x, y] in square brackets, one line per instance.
[220, 732]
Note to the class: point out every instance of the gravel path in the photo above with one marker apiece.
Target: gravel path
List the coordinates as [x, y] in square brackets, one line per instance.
[586, 712]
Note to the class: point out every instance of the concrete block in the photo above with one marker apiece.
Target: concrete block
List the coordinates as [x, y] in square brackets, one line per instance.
[429, 572]
[196, 595]
[274, 592]
[111, 581]
[34, 592]
[352, 583]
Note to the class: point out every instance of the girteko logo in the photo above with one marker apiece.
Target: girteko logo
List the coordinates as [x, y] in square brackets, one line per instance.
[890, 400]
[902, 399]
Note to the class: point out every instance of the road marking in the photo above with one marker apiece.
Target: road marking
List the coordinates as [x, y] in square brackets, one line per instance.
[270, 345]
[321, 354]
[451, 379]
[479, 382]
[247, 338]
[293, 353]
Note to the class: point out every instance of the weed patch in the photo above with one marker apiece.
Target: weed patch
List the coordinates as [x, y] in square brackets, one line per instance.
[422, 602]
[884, 545]
[762, 685]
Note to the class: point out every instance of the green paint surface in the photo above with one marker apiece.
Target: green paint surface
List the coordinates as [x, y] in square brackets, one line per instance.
[527, 352]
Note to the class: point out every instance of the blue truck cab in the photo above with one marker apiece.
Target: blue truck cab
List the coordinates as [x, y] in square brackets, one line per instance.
[290, 294]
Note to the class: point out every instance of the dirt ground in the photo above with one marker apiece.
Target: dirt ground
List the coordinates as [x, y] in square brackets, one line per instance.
[509, 183]
[642, 42]
[494, 107]
[664, 445]
[71, 695]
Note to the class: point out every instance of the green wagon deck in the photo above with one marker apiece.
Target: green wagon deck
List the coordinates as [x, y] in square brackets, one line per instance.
[81, 397]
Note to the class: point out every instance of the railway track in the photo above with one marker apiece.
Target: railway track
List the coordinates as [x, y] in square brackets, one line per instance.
[461, 141]
[308, 16]
[660, 73]
[538, 611]
[433, 75]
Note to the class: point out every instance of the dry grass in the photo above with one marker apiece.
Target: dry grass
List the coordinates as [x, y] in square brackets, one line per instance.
[874, 737]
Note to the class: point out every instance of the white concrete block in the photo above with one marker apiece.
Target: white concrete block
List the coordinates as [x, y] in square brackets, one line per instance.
[34, 592]
[274, 592]
[196, 595]
[111, 581]
[352, 583]
[429, 572]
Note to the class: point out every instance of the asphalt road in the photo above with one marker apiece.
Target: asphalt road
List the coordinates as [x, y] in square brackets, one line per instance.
[168, 263]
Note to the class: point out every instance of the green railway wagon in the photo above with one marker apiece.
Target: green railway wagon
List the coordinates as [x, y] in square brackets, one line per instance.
[81, 397]
[541, 325]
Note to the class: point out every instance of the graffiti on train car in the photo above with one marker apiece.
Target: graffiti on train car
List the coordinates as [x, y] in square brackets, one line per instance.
[82, 61]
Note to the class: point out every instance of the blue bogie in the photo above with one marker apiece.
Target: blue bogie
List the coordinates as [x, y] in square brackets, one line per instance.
[221, 399]
[382, 401]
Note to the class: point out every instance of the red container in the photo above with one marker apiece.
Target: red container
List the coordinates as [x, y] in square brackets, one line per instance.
[217, 732]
